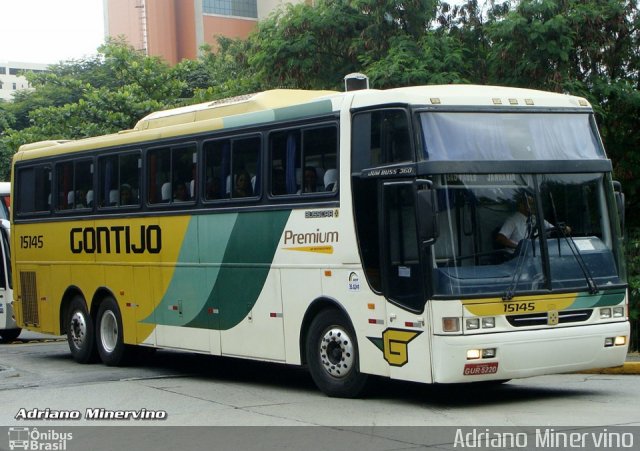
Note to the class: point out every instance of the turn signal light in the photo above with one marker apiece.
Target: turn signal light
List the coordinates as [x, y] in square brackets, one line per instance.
[451, 324]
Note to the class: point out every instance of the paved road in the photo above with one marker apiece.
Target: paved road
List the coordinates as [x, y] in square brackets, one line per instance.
[37, 373]
[203, 390]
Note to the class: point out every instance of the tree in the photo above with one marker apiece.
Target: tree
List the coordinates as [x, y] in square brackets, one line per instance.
[98, 95]
[584, 47]
[308, 47]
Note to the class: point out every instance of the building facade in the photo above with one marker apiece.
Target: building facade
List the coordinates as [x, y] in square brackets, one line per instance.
[175, 29]
[11, 79]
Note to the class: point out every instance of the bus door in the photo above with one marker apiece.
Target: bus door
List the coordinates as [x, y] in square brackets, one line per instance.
[404, 245]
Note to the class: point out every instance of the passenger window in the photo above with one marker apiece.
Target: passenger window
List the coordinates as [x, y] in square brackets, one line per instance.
[118, 181]
[304, 161]
[232, 168]
[74, 181]
[33, 190]
[172, 174]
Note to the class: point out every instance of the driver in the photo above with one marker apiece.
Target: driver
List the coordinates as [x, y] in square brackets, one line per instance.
[521, 224]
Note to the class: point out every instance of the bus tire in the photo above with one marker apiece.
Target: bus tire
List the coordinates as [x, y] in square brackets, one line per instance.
[109, 334]
[9, 335]
[80, 334]
[332, 356]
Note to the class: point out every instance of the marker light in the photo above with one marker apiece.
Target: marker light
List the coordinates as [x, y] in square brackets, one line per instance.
[608, 342]
[605, 313]
[473, 354]
[618, 312]
[473, 323]
[451, 324]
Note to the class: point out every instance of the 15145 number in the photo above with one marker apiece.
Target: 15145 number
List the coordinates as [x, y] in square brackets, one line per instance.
[31, 242]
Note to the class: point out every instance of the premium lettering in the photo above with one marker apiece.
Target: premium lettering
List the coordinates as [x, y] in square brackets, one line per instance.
[316, 237]
[116, 240]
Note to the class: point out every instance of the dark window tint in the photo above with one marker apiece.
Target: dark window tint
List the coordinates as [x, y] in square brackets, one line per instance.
[381, 137]
[171, 173]
[74, 180]
[33, 189]
[119, 180]
[232, 168]
[304, 160]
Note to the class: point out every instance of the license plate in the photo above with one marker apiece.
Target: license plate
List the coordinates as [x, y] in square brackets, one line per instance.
[478, 369]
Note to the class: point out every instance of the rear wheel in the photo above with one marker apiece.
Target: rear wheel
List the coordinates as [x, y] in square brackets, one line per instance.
[80, 334]
[111, 347]
[9, 335]
[332, 356]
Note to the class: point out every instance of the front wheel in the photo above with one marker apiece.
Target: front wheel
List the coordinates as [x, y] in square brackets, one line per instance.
[110, 341]
[332, 356]
[80, 335]
[9, 335]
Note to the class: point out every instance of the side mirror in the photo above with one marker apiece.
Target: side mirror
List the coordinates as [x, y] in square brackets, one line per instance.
[619, 197]
[427, 218]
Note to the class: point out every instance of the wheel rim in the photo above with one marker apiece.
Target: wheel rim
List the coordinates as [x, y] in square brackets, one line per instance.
[78, 329]
[109, 331]
[337, 353]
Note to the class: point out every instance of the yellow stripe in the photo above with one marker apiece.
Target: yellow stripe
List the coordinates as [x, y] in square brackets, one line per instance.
[316, 249]
[533, 297]
[519, 305]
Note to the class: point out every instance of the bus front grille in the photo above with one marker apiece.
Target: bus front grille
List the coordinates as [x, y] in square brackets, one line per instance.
[29, 298]
[541, 319]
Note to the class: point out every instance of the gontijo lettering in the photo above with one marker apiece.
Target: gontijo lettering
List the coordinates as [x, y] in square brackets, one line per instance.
[116, 239]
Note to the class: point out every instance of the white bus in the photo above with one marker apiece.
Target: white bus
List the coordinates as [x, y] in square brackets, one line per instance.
[354, 233]
[9, 329]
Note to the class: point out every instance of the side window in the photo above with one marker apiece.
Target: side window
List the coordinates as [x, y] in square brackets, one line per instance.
[74, 182]
[381, 137]
[232, 168]
[171, 174]
[118, 181]
[304, 161]
[403, 272]
[33, 190]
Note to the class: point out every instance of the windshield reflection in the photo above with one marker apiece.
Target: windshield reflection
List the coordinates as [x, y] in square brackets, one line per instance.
[502, 234]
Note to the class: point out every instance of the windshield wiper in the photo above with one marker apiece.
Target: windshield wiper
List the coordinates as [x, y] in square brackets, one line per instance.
[517, 273]
[593, 288]
[560, 229]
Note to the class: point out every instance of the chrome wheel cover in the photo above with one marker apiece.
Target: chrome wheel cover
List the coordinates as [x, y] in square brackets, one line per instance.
[109, 331]
[78, 329]
[337, 353]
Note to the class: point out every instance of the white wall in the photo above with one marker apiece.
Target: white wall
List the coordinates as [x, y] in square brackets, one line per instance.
[8, 81]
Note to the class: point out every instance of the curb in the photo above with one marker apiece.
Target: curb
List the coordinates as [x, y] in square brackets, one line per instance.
[627, 368]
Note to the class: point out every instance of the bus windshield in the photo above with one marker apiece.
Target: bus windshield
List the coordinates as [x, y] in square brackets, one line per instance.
[509, 136]
[502, 234]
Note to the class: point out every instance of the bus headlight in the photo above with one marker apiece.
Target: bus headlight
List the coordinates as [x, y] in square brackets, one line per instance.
[488, 322]
[488, 353]
[618, 312]
[620, 341]
[473, 323]
[605, 313]
[473, 354]
[615, 341]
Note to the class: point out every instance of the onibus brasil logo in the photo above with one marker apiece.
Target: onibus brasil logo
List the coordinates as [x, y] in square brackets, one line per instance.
[34, 439]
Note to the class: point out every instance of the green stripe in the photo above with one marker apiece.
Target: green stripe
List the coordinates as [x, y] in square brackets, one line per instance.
[236, 252]
[279, 114]
[607, 298]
